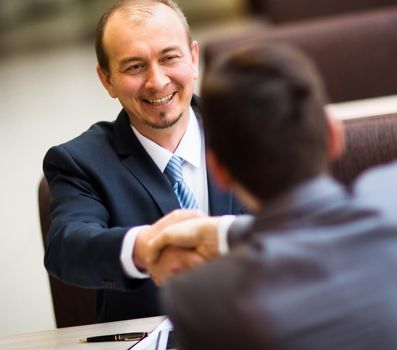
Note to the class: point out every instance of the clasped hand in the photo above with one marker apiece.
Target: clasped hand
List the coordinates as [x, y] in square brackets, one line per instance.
[179, 241]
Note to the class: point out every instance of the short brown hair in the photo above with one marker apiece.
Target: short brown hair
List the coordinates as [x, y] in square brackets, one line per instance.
[124, 5]
[263, 113]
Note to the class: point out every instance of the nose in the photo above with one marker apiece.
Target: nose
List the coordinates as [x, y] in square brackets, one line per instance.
[157, 78]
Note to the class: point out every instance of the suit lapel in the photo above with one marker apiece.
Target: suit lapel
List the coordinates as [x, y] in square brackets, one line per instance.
[141, 165]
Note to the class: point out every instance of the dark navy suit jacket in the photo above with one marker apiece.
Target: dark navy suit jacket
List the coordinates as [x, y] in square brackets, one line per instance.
[103, 183]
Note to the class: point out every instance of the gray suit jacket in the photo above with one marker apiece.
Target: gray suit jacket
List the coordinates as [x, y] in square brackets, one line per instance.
[316, 271]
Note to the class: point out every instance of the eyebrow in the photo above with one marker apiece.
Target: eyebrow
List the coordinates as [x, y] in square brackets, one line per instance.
[171, 48]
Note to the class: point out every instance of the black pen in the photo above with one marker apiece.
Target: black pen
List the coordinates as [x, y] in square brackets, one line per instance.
[116, 337]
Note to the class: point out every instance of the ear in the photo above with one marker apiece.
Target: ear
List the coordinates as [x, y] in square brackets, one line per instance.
[336, 136]
[221, 174]
[105, 79]
[195, 52]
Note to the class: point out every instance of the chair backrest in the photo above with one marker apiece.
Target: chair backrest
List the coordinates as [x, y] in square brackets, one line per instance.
[355, 54]
[72, 306]
[369, 141]
[280, 11]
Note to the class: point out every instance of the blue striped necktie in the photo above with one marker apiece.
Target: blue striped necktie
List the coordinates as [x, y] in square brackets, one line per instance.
[183, 193]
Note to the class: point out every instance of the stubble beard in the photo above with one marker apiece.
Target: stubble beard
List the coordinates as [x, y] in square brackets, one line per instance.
[166, 124]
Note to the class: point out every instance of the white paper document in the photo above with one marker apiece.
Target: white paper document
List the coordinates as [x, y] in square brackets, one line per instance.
[156, 339]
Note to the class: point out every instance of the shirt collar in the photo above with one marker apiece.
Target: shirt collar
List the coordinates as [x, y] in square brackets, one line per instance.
[188, 149]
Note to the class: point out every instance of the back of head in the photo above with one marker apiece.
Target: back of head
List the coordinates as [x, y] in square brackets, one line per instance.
[264, 118]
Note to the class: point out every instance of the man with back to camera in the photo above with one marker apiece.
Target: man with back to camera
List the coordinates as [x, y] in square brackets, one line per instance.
[315, 268]
[116, 178]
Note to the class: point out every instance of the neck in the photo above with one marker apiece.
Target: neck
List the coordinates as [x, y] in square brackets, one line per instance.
[169, 140]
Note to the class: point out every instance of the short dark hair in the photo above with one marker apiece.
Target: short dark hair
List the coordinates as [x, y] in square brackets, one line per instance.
[263, 111]
[125, 5]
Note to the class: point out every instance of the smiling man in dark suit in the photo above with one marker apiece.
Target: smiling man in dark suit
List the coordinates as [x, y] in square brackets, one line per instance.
[315, 268]
[112, 181]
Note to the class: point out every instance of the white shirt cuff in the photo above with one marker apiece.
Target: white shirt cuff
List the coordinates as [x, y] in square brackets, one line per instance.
[127, 250]
[223, 227]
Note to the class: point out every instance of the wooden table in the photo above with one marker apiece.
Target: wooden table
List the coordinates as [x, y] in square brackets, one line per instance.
[68, 338]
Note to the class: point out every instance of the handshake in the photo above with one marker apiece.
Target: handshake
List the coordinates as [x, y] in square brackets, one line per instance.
[179, 241]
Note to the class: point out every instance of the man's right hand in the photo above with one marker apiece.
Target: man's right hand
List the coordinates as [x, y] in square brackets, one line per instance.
[199, 234]
[142, 254]
[173, 260]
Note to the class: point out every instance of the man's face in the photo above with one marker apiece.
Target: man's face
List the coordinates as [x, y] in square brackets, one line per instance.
[152, 69]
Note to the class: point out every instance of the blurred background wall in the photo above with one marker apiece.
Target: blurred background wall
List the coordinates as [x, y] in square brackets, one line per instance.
[49, 93]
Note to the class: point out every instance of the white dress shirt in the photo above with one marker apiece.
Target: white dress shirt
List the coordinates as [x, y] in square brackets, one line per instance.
[191, 149]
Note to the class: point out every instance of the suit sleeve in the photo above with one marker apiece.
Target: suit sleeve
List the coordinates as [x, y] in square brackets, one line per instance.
[209, 306]
[188, 306]
[81, 248]
[239, 229]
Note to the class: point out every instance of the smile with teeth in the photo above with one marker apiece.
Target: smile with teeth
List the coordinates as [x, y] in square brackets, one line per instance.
[160, 101]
